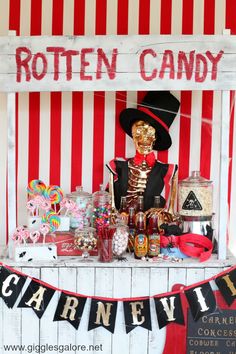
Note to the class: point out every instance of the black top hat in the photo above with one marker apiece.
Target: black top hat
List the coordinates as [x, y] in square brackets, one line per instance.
[159, 108]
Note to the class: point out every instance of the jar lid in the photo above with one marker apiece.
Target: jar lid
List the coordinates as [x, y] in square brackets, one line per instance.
[195, 178]
[79, 192]
[85, 230]
[101, 194]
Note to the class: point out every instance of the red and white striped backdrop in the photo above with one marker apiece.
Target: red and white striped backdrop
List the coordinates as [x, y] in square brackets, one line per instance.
[66, 138]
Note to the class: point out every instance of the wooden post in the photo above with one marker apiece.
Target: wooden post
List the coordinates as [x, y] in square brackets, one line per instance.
[11, 165]
[224, 172]
[11, 168]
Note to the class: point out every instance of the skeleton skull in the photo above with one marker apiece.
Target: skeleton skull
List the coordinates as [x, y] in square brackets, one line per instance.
[144, 136]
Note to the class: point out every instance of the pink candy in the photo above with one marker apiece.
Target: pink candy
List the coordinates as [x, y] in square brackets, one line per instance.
[21, 234]
[45, 205]
[69, 205]
[31, 206]
[34, 236]
[44, 229]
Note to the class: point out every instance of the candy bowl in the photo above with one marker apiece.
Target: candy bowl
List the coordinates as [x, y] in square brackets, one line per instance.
[86, 241]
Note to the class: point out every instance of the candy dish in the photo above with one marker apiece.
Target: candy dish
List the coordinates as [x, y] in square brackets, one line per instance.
[86, 241]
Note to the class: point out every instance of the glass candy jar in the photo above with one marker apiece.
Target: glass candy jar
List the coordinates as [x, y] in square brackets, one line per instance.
[101, 208]
[195, 196]
[85, 240]
[120, 237]
[83, 201]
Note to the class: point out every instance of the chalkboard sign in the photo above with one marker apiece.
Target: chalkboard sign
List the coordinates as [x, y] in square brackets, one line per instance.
[212, 334]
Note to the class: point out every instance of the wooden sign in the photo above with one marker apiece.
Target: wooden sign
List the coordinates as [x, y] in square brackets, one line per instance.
[110, 63]
[212, 334]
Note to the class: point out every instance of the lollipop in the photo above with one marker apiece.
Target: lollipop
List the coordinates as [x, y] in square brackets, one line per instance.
[34, 236]
[31, 206]
[39, 199]
[20, 234]
[36, 187]
[52, 219]
[45, 205]
[44, 229]
[63, 204]
[70, 206]
[17, 238]
[54, 194]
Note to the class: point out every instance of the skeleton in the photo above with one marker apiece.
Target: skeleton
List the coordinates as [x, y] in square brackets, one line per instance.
[144, 136]
[138, 176]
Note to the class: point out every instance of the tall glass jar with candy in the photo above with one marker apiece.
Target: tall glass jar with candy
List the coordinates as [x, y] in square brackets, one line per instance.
[101, 208]
[84, 213]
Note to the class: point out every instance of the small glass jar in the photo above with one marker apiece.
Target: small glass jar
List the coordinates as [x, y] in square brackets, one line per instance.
[85, 240]
[120, 237]
[101, 208]
[195, 196]
[83, 201]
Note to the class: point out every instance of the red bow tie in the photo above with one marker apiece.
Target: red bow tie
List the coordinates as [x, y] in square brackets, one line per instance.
[150, 159]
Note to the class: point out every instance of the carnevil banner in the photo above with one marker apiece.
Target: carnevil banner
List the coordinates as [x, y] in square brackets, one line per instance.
[170, 307]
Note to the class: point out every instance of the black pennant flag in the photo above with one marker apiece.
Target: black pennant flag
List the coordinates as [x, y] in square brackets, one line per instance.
[37, 297]
[70, 308]
[227, 286]
[102, 313]
[11, 285]
[169, 309]
[201, 300]
[137, 313]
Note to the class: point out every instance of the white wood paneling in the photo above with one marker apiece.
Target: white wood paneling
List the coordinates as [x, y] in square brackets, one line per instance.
[211, 272]
[67, 281]
[29, 320]
[85, 286]
[194, 276]
[158, 285]
[140, 287]
[122, 288]
[12, 323]
[103, 288]
[48, 328]
[176, 276]
[3, 166]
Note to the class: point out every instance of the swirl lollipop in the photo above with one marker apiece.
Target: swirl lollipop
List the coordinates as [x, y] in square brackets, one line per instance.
[70, 206]
[39, 199]
[63, 204]
[45, 205]
[36, 187]
[52, 219]
[20, 234]
[34, 236]
[17, 238]
[44, 229]
[54, 194]
[31, 206]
